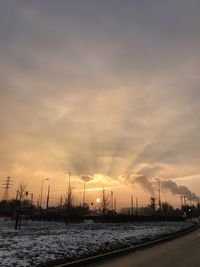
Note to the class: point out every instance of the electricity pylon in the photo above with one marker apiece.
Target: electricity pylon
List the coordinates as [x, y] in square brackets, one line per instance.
[6, 185]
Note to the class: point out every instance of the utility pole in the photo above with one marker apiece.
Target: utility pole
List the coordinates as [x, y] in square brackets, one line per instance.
[136, 203]
[131, 204]
[47, 206]
[61, 201]
[6, 186]
[32, 200]
[111, 203]
[84, 194]
[115, 205]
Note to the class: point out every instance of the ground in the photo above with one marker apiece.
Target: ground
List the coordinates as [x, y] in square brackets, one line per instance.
[41, 243]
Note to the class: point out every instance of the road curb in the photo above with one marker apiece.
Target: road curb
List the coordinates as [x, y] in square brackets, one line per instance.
[96, 258]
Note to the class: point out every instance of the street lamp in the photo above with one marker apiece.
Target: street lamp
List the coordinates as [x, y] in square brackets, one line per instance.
[46, 179]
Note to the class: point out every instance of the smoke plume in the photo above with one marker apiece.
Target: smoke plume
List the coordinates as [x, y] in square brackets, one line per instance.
[178, 189]
[151, 185]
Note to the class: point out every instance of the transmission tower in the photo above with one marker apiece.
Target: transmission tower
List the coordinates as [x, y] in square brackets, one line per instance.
[6, 186]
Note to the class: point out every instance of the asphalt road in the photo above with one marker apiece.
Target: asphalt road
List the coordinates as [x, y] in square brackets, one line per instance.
[181, 252]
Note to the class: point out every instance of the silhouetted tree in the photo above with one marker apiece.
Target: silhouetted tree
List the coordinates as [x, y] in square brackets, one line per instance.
[105, 202]
[21, 192]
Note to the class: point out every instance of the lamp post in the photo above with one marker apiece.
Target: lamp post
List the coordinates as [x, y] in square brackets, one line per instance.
[84, 194]
[46, 179]
[111, 196]
[47, 205]
[132, 205]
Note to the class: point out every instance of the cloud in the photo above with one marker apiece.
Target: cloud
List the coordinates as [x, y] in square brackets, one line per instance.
[100, 88]
[86, 178]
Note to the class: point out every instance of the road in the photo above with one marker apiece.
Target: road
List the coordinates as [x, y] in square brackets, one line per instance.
[181, 252]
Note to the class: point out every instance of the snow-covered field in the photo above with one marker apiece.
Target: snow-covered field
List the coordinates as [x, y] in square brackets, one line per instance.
[40, 243]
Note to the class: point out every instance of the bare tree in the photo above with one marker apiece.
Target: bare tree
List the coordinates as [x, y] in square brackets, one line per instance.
[153, 204]
[21, 192]
[69, 198]
[105, 201]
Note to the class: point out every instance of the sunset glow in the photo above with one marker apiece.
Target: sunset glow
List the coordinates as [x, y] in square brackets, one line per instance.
[102, 92]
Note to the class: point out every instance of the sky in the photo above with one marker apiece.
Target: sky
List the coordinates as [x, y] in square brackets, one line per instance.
[99, 88]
